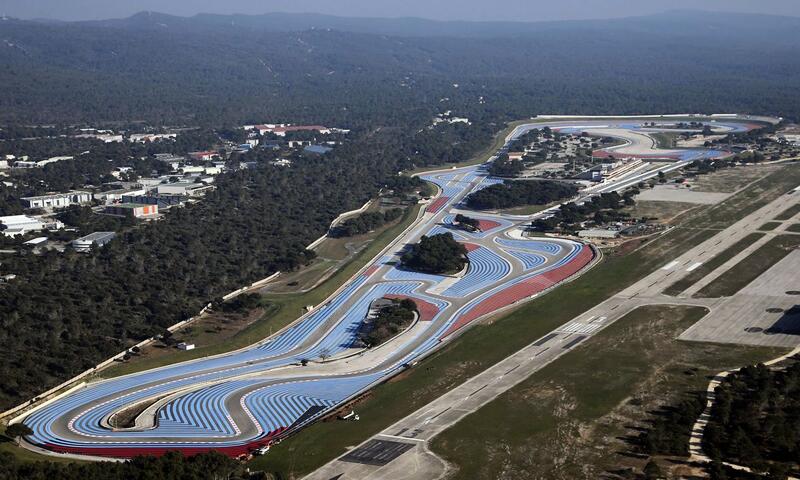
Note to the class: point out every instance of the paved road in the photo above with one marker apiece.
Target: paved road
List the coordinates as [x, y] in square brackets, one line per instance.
[240, 400]
[427, 422]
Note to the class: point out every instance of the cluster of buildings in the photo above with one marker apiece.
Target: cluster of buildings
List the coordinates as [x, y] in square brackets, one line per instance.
[255, 134]
[145, 198]
[109, 136]
[789, 135]
[611, 169]
[447, 117]
[281, 129]
[24, 162]
[16, 225]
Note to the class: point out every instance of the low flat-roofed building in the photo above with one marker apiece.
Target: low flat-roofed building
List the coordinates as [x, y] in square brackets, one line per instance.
[113, 196]
[25, 164]
[152, 181]
[14, 225]
[190, 189]
[598, 233]
[36, 242]
[192, 169]
[103, 137]
[132, 210]
[206, 156]
[162, 201]
[42, 163]
[151, 137]
[317, 149]
[57, 200]
[85, 244]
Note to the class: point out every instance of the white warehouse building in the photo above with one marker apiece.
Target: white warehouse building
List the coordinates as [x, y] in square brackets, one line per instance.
[57, 200]
[14, 225]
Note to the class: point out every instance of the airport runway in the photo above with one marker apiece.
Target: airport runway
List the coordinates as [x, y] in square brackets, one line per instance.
[742, 319]
[239, 401]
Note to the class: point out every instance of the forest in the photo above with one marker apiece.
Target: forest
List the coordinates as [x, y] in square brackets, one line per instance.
[365, 223]
[135, 69]
[469, 223]
[258, 221]
[520, 192]
[436, 254]
[502, 166]
[755, 420]
[66, 312]
[172, 466]
[601, 209]
[388, 321]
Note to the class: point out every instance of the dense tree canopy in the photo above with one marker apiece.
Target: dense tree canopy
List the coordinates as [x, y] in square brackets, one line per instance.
[388, 322]
[755, 420]
[520, 192]
[364, 223]
[436, 254]
[258, 221]
[172, 466]
[505, 167]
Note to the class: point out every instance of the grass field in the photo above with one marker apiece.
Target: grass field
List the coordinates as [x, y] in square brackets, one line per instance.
[769, 226]
[474, 351]
[8, 445]
[663, 211]
[789, 213]
[794, 228]
[527, 209]
[282, 309]
[665, 139]
[569, 420]
[751, 267]
[730, 180]
[757, 195]
[699, 273]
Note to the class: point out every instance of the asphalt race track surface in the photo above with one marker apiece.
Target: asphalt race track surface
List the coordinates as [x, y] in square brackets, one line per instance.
[239, 401]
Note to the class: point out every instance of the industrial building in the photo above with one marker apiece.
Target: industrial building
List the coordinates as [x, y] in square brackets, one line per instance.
[132, 210]
[57, 200]
[115, 196]
[96, 239]
[317, 149]
[190, 189]
[162, 201]
[599, 233]
[14, 225]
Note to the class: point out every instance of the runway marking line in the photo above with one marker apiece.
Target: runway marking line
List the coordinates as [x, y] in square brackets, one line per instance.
[478, 390]
[670, 265]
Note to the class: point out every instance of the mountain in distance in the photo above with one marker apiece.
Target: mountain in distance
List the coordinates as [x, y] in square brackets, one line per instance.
[693, 22]
[163, 68]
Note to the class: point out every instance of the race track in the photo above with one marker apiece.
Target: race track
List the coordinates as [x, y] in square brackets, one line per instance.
[236, 402]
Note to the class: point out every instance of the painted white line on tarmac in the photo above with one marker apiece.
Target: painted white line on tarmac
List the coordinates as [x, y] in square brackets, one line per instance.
[694, 267]
[670, 265]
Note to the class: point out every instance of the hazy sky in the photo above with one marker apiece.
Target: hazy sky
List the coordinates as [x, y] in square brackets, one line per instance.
[523, 10]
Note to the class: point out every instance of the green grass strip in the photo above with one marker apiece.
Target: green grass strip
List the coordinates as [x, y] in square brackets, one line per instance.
[751, 267]
[700, 272]
[769, 226]
[789, 213]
